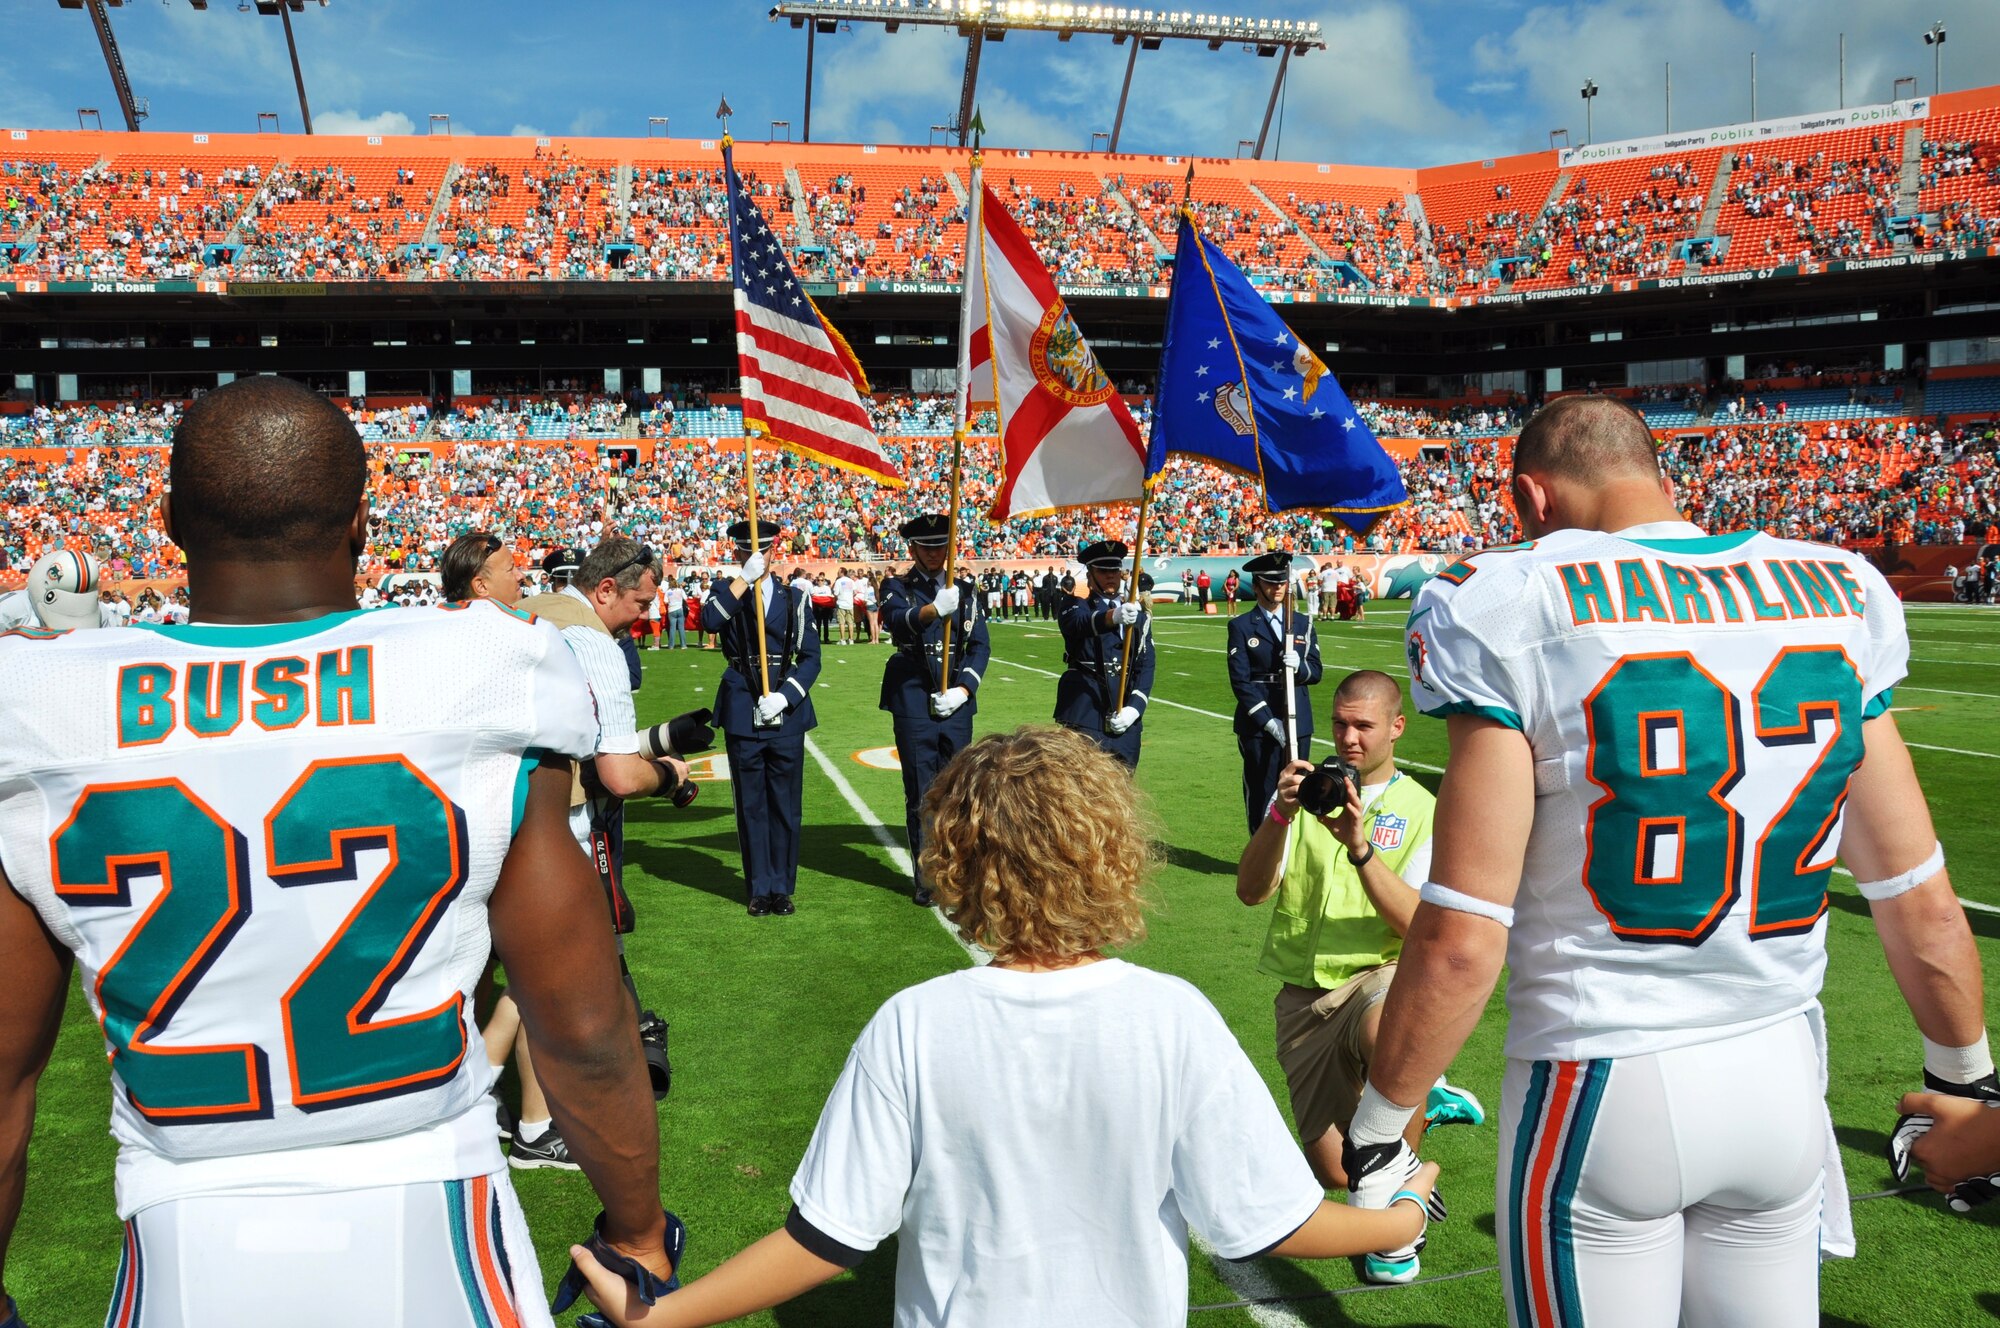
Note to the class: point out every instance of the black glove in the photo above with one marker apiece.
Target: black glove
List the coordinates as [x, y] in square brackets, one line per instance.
[1986, 1089]
[648, 1286]
[1377, 1171]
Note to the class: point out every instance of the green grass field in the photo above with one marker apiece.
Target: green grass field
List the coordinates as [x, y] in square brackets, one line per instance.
[764, 1011]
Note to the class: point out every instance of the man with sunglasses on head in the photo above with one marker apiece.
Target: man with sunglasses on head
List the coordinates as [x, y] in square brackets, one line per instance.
[597, 602]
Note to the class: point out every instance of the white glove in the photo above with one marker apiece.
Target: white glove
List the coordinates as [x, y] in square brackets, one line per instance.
[770, 706]
[1292, 661]
[753, 568]
[1274, 730]
[1124, 719]
[945, 702]
[1128, 613]
[946, 602]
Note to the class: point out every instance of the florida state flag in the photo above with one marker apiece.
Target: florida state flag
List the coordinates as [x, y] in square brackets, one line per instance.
[1066, 439]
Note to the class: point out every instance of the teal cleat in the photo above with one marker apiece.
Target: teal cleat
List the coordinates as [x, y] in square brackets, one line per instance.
[1451, 1105]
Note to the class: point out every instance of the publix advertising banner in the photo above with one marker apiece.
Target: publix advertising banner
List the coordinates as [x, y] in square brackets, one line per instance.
[1749, 135]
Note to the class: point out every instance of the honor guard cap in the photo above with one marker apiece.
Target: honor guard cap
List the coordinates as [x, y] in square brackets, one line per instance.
[932, 530]
[766, 532]
[563, 562]
[1103, 556]
[1273, 566]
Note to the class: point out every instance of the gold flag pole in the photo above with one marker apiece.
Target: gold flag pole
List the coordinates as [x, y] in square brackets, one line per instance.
[1138, 563]
[964, 390]
[756, 547]
[1146, 494]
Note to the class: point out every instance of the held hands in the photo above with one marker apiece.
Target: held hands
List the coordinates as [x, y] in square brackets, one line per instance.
[945, 702]
[946, 601]
[753, 569]
[770, 707]
[1955, 1140]
[1128, 614]
[1125, 718]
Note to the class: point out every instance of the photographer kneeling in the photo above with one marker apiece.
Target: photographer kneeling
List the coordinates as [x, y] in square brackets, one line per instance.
[1343, 846]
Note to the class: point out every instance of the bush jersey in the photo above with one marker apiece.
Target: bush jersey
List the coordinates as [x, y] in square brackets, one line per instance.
[270, 849]
[1694, 704]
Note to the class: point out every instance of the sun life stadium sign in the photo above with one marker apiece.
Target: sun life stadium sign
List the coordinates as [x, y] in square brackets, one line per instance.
[1854, 117]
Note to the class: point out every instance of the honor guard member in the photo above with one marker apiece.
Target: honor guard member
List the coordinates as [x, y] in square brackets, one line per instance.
[765, 732]
[932, 714]
[1261, 643]
[1093, 631]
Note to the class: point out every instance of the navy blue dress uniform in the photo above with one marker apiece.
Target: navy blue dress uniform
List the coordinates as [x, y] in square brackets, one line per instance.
[766, 759]
[1258, 639]
[1093, 646]
[913, 690]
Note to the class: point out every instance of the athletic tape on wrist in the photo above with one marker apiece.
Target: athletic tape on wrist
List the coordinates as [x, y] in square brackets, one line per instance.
[1377, 1120]
[1959, 1065]
[1877, 891]
[1443, 896]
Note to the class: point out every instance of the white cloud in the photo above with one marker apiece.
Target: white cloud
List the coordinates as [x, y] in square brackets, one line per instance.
[525, 131]
[353, 122]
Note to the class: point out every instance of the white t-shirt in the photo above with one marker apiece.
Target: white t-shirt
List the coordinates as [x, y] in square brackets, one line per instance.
[1044, 1142]
[843, 593]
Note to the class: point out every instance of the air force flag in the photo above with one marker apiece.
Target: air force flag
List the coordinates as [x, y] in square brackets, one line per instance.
[1237, 388]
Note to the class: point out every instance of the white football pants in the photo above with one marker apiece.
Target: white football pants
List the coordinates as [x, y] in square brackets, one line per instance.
[1677, 1188]
[444, 1254]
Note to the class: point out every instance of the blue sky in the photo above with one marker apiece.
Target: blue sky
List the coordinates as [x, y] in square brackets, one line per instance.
[1406, 82]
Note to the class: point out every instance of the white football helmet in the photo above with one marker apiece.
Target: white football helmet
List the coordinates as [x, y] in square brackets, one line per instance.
[63, 587]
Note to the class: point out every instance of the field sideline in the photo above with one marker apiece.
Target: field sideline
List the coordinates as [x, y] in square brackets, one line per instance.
[763, 1012]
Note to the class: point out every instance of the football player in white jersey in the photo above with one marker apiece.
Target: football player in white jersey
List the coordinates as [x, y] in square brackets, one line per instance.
[279, 841]
[1661, 741]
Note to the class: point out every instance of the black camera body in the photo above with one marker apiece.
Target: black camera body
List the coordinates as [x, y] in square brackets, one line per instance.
[1324, 789]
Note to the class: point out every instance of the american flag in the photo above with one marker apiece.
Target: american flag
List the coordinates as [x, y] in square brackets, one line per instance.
[801, 382]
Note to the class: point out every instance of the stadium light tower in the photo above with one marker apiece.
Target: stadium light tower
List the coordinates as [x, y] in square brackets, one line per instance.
[1589, 95]
[134, 110]
[284, 9]
[1934, 38]
[981, 21]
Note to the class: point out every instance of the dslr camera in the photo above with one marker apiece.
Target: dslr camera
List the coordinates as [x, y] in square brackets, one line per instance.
[1324, 789]
[682, 736]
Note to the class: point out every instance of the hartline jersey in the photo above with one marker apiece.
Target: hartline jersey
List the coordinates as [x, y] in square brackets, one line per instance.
[271, 850]
[1694, 704]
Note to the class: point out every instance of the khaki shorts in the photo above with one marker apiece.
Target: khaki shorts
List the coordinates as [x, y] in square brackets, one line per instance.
[1319, 1048]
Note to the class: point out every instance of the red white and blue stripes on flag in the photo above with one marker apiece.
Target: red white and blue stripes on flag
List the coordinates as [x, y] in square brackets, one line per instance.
[801, 383]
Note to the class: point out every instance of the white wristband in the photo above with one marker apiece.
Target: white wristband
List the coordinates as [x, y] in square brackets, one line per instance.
[1959, 1065]
[1377, 1120]
[1877, 891]
[1443, 896]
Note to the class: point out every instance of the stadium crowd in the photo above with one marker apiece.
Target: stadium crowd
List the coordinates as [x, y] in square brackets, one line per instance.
[550, 216]
[532, 466]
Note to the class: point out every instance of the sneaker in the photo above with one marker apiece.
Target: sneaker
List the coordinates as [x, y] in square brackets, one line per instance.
[1449, 1104]
[503, 1119]
[1386, 1270]
[549, 1151]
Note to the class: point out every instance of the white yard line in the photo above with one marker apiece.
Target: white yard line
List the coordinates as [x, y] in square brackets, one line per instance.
[899, 857]
[1946, 691]
[1955, 751]
[1250, 1283]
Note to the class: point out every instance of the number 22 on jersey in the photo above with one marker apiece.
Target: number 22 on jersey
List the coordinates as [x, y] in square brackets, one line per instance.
[337, 1052]
[1664, 856]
